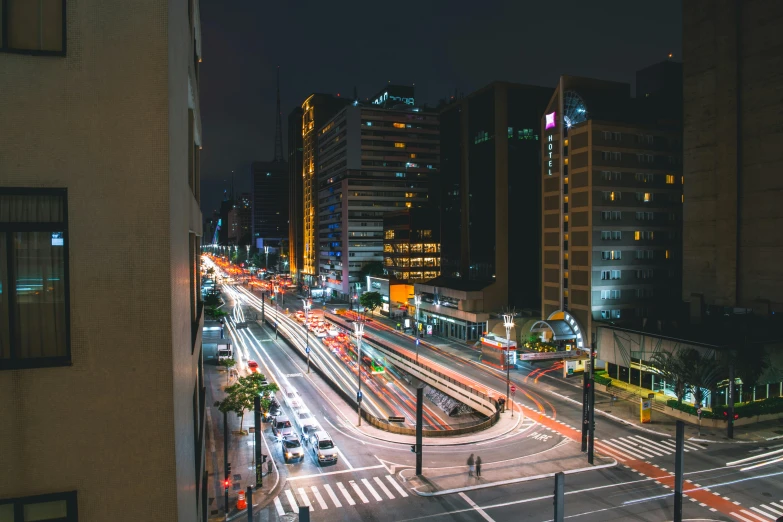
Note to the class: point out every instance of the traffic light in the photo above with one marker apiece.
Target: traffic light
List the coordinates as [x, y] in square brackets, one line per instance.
[263, 458]
[226, 484]
[413, 448]
[228, 469]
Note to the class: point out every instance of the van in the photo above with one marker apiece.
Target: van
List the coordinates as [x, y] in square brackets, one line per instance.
[323, 447]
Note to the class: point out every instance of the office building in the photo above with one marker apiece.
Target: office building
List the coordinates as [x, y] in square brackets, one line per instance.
[612, 205]
[270, 203]
[411, 245]
[317, 109]
[295, 195]
[103, 414]
[732, 134]
[240, 221]
[371, 161]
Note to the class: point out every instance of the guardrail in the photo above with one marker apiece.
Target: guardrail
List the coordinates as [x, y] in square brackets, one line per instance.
[384, 424]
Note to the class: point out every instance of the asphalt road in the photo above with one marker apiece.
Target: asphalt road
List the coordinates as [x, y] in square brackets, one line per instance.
[367, 481]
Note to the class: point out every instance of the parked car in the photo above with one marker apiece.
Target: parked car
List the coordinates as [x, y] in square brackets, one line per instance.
[282, 426]
[253, 367]
[292, 448]
[292, 398]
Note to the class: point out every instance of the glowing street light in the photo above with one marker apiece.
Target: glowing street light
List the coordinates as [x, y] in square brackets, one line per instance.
[508, 322]
[417, 302]
[358, 330]
[306, 304]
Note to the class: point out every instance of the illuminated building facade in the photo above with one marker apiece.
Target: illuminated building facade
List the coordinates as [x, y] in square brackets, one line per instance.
[371, 161]
[295, 186]
[612, 200]
[317, 109]
[411, 244]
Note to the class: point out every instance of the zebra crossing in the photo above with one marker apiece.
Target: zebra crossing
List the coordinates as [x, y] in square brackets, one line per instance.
[351, 493]
[768, 512]
[642, 448]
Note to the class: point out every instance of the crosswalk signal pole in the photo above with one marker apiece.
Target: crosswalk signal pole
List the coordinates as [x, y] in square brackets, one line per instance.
[419, 422]
[591, 411]
[559, 500]
[678, 471]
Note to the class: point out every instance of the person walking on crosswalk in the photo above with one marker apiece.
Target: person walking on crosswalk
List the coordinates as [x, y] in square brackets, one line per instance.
[470, 465]
[478, 467]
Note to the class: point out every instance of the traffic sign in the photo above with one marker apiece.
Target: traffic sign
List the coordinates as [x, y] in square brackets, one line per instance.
[307, 350]
[359, 397]
[513, 389]
[396, 419]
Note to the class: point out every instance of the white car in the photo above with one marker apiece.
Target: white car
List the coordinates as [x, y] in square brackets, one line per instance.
[292, 448]
[323, 447]
[292, 398]
[306, 422]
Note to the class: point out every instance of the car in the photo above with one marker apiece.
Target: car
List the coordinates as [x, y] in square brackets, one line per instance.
[308, 432]
[304, 419]
[274, 409]
[292, 448]
[282, 426]
[292, 398]
[253, 367]
[323, 447]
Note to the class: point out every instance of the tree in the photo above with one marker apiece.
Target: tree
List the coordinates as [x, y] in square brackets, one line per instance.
[240, 396]
[228, 363]
[749, 363]
[212, 300]
[373, 268]
[215, 313]
[672, 370]
[370, 301]
[211, 271]
[701, 374]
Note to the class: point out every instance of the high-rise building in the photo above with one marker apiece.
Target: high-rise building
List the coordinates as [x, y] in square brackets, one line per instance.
[317, 109]
[732, 242]
[489, 195]
[612, 203]
[411, 244]
[270, 202]
[240, 221]
[295, 186]
[103, 414]
[371, 161]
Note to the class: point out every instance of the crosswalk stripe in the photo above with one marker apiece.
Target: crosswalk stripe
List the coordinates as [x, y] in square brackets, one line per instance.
[303, 496]
[396, 486]
[602, 446]
[359, 492]
[745, 511]
[776, 505]
[384, 488]
[757, 510]
[279, 507]
[319, 498]
[673, 446]
[778, 513]
[345, 493]
[647, 447]
[334, 498]
[737, 515]
[651, 444]
[630, 449]
[371, 489]
[291, 500]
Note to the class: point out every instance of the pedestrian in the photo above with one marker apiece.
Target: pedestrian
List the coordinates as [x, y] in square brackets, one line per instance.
[470, 465]
[478, 467]
[269, 466]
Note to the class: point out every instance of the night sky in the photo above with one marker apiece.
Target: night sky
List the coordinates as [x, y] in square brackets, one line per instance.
[440, 46]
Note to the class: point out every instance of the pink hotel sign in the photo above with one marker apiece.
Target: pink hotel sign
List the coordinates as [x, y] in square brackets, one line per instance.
[550, 124]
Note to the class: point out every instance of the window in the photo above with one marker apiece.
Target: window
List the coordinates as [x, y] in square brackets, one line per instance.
[610, 314]
[604, 275]
[34, 325]
[615, 314]
[611, 255]
[643, 234]
[645, 254]
[650, 139]
[399, 145]
[611, 215]
[670, 179]
[668, 255]
[644, 292]
[399, 125]
[607, 275]
[53, 507]
[646, 273]
[615, 274]
[645, 177]
[645, 216]
[606, 234]
[611, 156]
[33, 27]
[607, 175]
[617, 234]
[645, 197]
[612, 196]
[610, 294]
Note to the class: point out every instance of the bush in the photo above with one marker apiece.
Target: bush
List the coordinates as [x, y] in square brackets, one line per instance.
[602, 379]
[749, 409]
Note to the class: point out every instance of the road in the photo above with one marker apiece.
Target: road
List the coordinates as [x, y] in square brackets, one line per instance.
[726, 481]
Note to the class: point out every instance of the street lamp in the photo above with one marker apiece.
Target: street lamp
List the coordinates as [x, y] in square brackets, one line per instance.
[508, 322]
[277, 318]
[266, 263]
[358, 330]
[323, 287]
[417, 302]
[306, 304]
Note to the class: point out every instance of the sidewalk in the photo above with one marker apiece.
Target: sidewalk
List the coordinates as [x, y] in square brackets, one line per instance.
[445, 481]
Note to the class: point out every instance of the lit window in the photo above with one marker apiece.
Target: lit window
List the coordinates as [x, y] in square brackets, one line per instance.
[565, 180]
[408, 204]
[670, 179]
[413, 156]
[682, 199]
[399, 145]
[565, 143]
[637, 235]
[668, 254]
[565, 161]
[399, 125]
[565, 199]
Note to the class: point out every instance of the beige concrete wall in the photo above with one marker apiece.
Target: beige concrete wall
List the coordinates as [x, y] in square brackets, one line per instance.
[109, 123]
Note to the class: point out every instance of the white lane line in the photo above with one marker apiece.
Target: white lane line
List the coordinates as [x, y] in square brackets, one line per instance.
[279, 507]
[745, 511]
[359, 492]
[345, 493]
[303, 496]
[334, 498]
[342, 456]
[371, 489]
[778, 513]
[319, 498]
[626, 446]
[383, 488]
[396, 486]
[764, 513]
[777, 506]
[646, 446]
[652, 446]
[737, 515]
[291, 500]
[673, 445]
[476, 508]
[303, 477]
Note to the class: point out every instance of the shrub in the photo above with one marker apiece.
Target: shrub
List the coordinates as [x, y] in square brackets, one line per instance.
[748, 409]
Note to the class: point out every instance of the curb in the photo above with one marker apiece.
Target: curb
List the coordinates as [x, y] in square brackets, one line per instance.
[511, 481]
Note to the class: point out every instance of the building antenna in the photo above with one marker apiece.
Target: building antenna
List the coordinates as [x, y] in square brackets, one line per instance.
[278, 124]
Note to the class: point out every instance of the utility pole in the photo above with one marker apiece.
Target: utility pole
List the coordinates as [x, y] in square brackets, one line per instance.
[306, 304]
[249, 497]
[226, 465]
[508, 323]
[559, 500]
[591, 419]
[585, 407]
[419, 427]
[730, 402]
[678, 470]
[358, 328]
[257, 437]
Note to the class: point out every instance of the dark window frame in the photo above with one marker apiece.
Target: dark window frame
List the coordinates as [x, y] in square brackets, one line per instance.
[68, 496]
[11, 227]
[31, 52]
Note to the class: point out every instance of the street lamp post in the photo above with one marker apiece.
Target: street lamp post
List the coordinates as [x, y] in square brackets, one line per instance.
[358, 329]
[277, 307]
[266, 263]
[306, 304]
[323, 288]
[417, 302]
[508, 322]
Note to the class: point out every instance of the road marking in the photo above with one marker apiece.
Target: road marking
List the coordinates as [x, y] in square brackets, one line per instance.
[652, 446]
[302, 477]
[279, 507]
[763, 519]
[291, 500]
[384, 488]
[639, 454]
[736, 515]
[476, 508]
[775, 511]
[371, 490]
[319, 498]
[359, 492]
[345, 493]
[303, 496]
[777, 506]
[334, 498]
[342, 456]
[396, 486]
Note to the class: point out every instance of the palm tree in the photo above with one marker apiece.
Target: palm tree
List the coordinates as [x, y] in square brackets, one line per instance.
[673, 370]
[702, 374]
